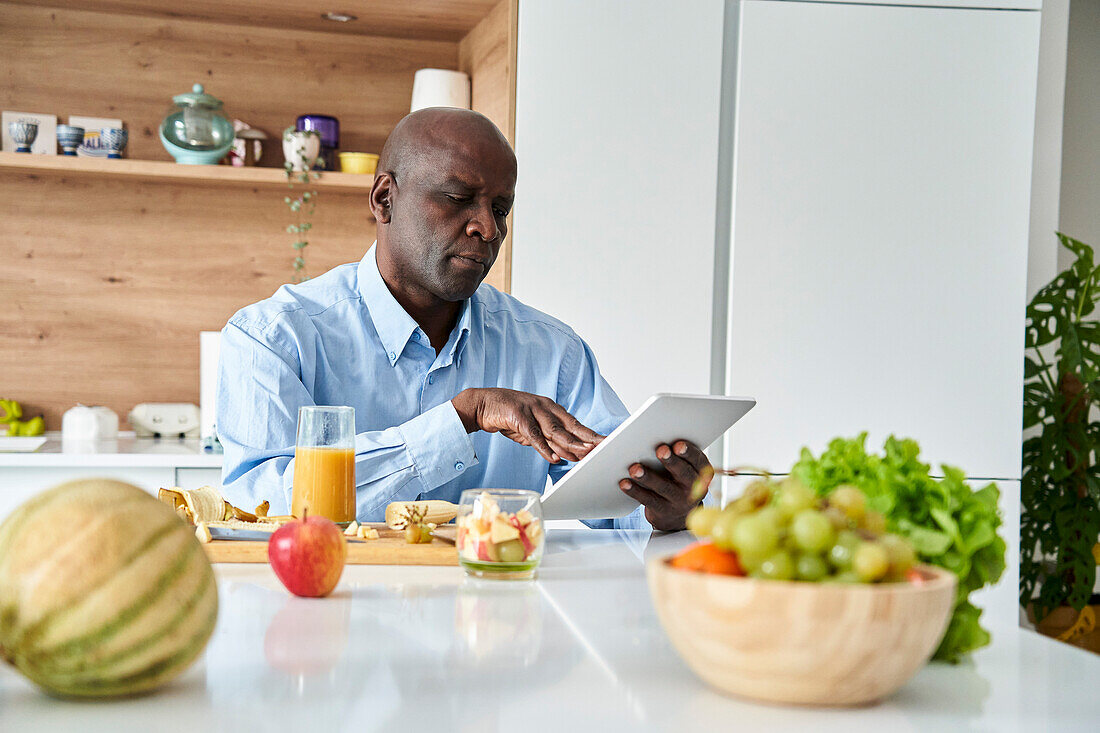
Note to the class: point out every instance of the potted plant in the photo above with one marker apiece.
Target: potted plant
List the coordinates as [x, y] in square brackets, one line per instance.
[300, 148]
[1060, 491]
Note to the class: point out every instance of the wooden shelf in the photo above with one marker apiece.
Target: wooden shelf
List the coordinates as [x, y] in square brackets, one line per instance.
[153, 171]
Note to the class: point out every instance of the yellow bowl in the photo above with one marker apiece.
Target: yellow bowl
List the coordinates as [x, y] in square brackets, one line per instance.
[358, 162]
[802, 643]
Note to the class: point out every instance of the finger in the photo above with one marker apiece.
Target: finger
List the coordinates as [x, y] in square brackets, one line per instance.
[569, 453]
[682, 472]
[658, 482]
[584, 433]
[561, 440]
[570, 449]
[692, 454]
[531, 430]
[642, 495]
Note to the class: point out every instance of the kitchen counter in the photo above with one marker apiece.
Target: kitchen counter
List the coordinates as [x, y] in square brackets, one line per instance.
[126, 451]
[422, 648]
[150, 463]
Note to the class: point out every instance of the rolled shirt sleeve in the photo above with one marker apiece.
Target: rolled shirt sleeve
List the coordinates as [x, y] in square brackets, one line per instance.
[259, 393]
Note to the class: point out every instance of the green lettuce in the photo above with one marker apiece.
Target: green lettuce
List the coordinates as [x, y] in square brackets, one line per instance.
[948, 523]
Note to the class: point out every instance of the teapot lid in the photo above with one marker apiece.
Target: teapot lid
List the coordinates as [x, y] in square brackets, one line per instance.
[197, 98]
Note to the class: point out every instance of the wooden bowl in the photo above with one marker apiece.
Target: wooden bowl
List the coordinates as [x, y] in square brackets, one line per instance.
[802, 643]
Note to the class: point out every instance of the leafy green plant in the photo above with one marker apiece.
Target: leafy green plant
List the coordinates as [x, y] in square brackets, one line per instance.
[1060, 490]
[948, 523]
[302, 206]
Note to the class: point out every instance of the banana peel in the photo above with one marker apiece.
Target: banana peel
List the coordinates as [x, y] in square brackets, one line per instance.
[204, 504]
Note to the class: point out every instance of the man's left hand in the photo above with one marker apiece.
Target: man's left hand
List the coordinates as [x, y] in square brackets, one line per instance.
[666, 492]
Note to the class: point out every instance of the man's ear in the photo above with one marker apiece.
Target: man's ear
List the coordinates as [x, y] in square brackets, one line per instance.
[381, 197]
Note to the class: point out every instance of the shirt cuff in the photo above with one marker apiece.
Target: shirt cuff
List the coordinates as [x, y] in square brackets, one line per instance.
[439, 445]
[635, 520]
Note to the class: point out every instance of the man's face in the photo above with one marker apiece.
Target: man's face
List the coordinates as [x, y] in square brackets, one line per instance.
[448, 216]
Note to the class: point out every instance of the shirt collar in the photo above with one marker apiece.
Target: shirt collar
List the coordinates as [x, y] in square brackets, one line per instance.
[394, 325]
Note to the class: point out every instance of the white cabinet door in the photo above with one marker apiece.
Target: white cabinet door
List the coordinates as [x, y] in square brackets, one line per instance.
[880, 224]
[18, 483]
[617, 110]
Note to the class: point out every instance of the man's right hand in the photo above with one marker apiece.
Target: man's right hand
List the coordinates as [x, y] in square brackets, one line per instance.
[528, 419]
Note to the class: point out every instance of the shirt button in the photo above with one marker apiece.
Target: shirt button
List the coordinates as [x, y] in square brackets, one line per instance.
[431, 378]
[459, 465]
[416, 335]
[393, 356]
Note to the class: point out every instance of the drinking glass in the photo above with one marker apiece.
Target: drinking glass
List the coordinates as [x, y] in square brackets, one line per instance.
[324, 464]
[500, 533]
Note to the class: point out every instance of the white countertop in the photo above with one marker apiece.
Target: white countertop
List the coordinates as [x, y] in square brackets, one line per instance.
[126, 451]
[420, 648]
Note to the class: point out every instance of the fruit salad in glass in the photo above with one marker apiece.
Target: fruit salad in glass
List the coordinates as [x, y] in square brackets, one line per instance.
[499, 533]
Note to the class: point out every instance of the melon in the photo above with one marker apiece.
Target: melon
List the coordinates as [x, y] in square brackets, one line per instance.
[104, 591]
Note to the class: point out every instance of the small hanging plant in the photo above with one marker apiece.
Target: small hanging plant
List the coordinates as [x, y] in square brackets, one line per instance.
[303, 204]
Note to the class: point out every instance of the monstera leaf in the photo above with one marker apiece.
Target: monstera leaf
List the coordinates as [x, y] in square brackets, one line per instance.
[1060, 490]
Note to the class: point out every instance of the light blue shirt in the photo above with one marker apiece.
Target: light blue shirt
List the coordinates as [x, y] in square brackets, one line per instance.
[342, 339]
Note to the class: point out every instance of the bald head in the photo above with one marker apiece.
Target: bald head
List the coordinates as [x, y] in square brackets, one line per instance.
[422, 136]
[445, 183]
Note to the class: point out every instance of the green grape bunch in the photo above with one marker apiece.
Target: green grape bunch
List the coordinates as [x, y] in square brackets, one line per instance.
[781, 530]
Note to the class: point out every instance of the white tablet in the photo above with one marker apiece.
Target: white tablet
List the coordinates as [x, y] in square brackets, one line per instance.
[591, 488]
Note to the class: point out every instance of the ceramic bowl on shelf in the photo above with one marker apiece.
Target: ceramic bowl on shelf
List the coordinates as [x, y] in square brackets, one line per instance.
[23, 134]
[365, 163]
[113, 139]
[69, 137]
[802, 643]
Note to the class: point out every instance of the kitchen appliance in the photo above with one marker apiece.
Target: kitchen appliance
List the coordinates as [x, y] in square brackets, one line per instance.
[164, 420]
[329, 130]
[86, 423]
[209, 347]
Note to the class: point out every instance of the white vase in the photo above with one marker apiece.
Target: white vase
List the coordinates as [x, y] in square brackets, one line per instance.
[301, 148]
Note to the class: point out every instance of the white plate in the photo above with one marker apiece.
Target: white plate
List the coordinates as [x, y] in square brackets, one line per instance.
[21, 443]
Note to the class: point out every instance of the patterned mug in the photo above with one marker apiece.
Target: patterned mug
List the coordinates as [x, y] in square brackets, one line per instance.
[23, 134]
[69, 137]
[114, 140]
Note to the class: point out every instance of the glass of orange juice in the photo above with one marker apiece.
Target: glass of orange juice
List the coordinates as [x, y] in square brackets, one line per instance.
[324, 463]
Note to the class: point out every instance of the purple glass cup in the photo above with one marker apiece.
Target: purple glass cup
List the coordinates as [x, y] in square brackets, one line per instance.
[329, 130]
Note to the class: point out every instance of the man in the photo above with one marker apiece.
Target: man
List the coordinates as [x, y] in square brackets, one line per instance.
[454, 386]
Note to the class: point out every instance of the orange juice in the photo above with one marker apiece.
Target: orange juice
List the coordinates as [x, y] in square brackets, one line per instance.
[324, 483]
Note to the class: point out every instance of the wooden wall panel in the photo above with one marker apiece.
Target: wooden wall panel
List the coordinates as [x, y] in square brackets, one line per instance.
[107, 283]
[439, 20]
[67, 62]
[488, 55]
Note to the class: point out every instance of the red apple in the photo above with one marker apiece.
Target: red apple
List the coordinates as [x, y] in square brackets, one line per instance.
[308, 555]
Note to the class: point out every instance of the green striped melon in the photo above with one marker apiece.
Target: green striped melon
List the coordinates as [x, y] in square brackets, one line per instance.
[104, 591]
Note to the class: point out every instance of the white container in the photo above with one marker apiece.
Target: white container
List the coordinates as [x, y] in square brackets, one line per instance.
[301, 148]
[440, 88]
[84, 424]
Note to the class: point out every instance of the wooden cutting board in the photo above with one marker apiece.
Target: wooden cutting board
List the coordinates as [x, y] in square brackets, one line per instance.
[389, 549]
